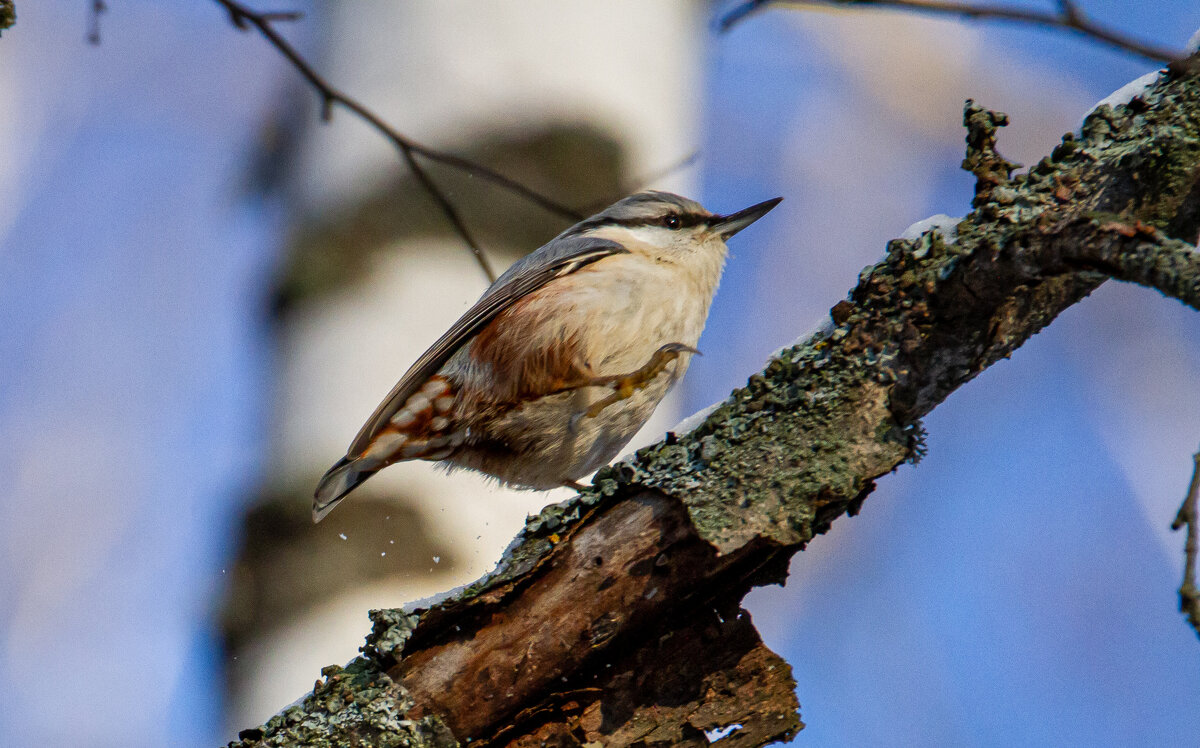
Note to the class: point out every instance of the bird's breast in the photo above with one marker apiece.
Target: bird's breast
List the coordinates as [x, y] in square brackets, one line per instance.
[607, 318]
[627, 308]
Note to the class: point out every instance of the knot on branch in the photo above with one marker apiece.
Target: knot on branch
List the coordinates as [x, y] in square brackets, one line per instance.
[983, 160]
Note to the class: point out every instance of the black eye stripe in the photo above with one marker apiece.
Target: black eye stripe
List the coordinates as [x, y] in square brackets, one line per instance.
[681, 221]
[668, 221]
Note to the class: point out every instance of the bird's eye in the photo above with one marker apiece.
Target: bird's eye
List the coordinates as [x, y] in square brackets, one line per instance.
[671, 221]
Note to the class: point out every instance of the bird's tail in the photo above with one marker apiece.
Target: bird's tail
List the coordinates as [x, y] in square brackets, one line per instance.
[340, 480]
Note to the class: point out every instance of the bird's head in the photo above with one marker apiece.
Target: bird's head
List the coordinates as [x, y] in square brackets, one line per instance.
[669, 227]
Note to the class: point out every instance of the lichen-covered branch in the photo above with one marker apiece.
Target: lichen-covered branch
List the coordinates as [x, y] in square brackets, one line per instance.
[8, 15]
[355, 705]
[608, 623]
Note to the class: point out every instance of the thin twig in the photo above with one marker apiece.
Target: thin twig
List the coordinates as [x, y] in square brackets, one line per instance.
[243, 17]
[1189, 595]
[282, 15]
[643, 181]
[240, 16]
[98, 8]
[1068, 17]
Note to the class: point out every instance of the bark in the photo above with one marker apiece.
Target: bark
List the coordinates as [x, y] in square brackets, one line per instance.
[8, 14]
[615, 618]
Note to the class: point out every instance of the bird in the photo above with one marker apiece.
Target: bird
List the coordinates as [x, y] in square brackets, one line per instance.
[561, 360]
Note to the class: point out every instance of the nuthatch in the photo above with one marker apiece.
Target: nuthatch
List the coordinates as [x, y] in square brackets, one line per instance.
[563, 359]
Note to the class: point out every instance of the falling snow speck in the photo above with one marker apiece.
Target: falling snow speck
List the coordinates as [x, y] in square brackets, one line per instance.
[342, 535]
[383, 554]
[437, 559]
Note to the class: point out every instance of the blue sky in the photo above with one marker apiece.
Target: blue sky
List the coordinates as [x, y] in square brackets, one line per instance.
[133, 366]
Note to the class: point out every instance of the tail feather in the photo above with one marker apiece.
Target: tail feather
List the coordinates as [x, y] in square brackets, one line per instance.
[341, 479]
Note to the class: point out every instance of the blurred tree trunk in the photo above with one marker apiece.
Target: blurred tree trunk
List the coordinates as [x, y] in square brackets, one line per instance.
[615, 619]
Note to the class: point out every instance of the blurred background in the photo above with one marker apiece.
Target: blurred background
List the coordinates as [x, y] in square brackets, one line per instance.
[205, 290]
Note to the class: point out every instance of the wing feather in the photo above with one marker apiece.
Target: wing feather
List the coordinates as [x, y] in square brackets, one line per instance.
[561, 256]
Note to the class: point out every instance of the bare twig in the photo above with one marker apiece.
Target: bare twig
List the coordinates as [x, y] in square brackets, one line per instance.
[1189, 595]
[98, 8]
[1068, 18]
[642, 181]
[282, 15]
[244, 18]
[1070, 11]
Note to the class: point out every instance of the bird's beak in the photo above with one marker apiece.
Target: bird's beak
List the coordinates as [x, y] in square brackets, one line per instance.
[729, 225]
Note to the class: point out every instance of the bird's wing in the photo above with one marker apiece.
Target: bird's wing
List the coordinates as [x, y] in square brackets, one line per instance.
[561, 256]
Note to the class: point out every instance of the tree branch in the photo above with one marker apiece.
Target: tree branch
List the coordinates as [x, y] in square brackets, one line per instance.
[98, 8]
[243, 18]
[8, 15]
[550, 649]
[1189, 595]
[1068, 18]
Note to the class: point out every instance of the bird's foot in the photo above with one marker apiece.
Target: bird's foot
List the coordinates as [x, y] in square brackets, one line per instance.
[624, 385]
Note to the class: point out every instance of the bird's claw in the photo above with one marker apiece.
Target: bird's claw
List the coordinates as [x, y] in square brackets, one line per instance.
[624, 385]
